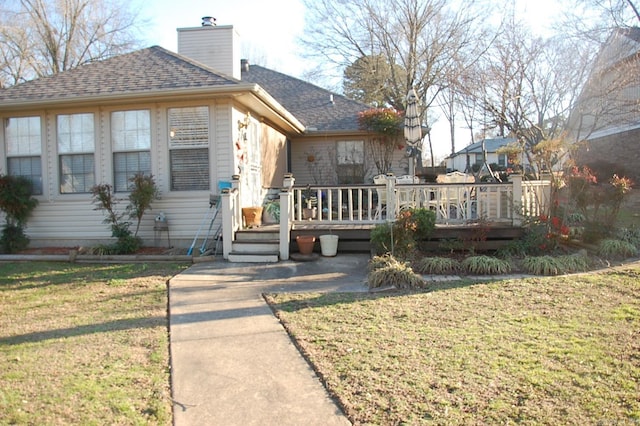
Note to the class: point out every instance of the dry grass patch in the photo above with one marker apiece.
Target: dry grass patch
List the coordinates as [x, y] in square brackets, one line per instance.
[562, 350]
[84, 344]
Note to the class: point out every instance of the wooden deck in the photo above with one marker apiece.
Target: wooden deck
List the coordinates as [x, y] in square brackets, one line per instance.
[482, 216]
[356, 237]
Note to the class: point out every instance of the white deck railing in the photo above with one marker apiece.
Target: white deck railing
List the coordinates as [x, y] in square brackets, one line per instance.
[453, 203]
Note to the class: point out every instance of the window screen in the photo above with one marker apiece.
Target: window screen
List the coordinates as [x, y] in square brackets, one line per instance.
[131, 142]
[350, 167]
[23, 137]
[29, 167]
[76, 173]
[128, 164]
[76, 144]
[189, 148]
[189, 169]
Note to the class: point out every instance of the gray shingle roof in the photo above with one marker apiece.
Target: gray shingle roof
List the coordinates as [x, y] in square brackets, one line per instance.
[308, 103]
[144, 71]
[155, 69]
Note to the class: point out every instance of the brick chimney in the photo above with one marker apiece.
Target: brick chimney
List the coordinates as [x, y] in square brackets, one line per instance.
[216, 46]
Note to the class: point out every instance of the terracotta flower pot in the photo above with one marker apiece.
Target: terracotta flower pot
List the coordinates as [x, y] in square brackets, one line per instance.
[305, 243]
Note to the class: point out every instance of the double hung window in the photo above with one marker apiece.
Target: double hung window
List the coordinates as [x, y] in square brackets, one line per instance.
[131, 144]
[350, 162]
[23, 137]
[189, 148]
[76, 147]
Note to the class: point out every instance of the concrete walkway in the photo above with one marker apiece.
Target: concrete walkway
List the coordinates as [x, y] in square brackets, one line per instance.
[232, 361]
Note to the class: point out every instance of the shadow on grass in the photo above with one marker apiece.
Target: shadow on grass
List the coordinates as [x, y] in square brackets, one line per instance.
[330, 299]
[105, 327]
[32, 275]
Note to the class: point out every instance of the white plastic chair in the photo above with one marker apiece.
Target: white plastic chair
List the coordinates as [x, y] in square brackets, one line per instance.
[382, 194]
[453, 198]
[406, 196]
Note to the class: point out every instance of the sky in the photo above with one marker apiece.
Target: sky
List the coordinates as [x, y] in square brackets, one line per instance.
[268, 31]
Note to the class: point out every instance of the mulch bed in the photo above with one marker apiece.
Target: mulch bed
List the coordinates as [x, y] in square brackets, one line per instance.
[66, 250]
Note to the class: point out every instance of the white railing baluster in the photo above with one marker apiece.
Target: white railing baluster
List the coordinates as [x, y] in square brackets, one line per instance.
[454, 203]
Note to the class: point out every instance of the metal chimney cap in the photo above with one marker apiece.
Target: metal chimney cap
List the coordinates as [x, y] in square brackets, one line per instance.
[208, 21]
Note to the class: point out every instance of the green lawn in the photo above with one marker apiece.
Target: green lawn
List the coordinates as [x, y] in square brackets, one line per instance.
[88, 344]
[84, 344]
[561, 350]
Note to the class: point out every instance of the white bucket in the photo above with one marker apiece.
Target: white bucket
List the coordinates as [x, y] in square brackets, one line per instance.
[329, 245]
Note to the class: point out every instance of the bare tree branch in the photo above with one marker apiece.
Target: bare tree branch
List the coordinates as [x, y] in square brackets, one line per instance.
[47, 37]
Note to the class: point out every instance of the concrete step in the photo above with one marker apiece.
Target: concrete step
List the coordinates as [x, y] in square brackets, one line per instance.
[249, 257]
[254, 235]
[256, 246]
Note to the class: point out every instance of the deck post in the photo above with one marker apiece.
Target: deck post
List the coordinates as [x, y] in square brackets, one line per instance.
[286, 218]
[391, 198]
[516, 204]
[227, 222]
[237, 188]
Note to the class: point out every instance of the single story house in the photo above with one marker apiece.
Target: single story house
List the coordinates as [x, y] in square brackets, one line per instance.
[471, 158]
[192, 119]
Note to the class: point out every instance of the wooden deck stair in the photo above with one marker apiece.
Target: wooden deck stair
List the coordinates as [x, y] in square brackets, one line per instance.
[256, 245]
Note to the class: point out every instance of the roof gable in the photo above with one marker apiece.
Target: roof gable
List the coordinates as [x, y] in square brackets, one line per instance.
[490, 145]
[143, 71]
[315, 107]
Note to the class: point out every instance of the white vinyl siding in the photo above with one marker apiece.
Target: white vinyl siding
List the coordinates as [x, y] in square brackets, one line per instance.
[131, 144]
[24, 147]
[189, 148]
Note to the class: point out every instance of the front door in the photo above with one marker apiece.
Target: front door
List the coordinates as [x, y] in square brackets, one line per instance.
[252, 173]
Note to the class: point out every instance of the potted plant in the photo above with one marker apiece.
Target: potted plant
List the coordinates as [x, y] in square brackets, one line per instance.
[311, 201]
[271, 211]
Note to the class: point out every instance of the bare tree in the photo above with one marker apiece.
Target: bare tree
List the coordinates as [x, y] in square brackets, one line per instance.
[366, 80]
[526, 86]
[418, 39]
[47, 37]
[614, 13]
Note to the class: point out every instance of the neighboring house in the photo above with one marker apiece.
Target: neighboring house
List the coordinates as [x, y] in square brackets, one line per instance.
[606, 119]
[471, 158]
[192, 120]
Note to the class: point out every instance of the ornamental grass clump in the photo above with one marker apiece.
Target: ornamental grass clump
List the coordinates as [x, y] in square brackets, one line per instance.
[387, 271]
[630, 235]
[577, 262]
[485, 265]
[543, 265]
[616, 249]
[437, 265]
[550, 265]
[383, 261]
